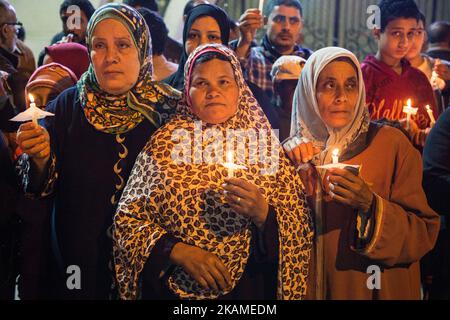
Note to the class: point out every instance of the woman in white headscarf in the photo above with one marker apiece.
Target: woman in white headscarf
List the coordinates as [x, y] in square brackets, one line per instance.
[374, 221]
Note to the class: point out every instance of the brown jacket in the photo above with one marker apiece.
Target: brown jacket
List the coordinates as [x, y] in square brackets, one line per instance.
[403, 228]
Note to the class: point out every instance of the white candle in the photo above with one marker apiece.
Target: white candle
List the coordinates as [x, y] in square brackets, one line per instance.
[335, 156]
[430, 114]
[32, 106]
[261, 5]
[409, 110]
[230, 164]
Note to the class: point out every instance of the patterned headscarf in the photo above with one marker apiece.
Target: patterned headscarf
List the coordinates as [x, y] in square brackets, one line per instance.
[183, 198]
[117, 114]
[306, 121]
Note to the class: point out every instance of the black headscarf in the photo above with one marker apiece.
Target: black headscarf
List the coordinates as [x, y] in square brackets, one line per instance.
[177, 79]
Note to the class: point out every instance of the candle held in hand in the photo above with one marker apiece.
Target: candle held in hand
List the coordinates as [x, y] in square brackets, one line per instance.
[230, 162]
[430, 114]
[409, 110]
[261, 5]
[335, 156]
[32, 106]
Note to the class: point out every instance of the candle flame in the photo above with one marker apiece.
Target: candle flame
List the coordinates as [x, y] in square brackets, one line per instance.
[335, 152]
[428, 107]
[409, 103]
[30, 96]
[230, 156]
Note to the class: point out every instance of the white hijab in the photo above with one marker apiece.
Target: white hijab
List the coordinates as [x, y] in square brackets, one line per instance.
[306, 121]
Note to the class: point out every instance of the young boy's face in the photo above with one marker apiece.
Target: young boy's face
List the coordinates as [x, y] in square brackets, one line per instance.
[397, 38]
[417, 42]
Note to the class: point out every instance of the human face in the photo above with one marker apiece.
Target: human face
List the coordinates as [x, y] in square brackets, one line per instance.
[41, 96]
[337, 94]
[397, 38]
[9, 31]
[214, 92]
[74, 26]
[115, 57]
[284, 26]
[417, 42]
[204, 30]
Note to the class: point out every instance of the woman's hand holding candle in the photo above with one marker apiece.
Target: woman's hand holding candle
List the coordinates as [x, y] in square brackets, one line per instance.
[34, 140]
[347, 188]
[246, 199]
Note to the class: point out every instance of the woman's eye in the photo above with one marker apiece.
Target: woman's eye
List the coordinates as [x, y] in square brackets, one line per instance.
[200, 83]
[99, 45]
[192, 35]
[329, 85]
[213, 37]
[124, 45]
[351, 86]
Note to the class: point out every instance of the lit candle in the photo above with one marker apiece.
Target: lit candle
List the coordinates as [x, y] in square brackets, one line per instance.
[261, 5]
[409, 110]
[32, 106]
[230, 164]
[430, 114]
[335, 156]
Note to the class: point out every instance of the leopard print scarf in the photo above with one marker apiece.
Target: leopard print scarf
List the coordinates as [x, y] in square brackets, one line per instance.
[166, 195]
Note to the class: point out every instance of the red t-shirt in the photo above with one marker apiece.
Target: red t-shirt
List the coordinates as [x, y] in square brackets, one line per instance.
[387, 92]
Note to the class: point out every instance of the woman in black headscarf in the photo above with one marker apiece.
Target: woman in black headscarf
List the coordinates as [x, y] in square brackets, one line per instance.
[205, 23]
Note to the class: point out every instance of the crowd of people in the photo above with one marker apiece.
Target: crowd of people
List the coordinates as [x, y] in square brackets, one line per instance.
[222, 167]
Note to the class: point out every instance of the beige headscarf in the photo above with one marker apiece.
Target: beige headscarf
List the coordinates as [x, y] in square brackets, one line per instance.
[184, 199]
[306, 121]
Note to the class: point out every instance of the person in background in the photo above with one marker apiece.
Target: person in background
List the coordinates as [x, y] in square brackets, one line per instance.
[436, 183]
[436, 70]
[47, 82]
[173, 49]
[9, 226]
[285, 23]
[147, 4]
[205, 23]
[158, 30]
[73, 27]
[16, 59]
[70, 54]
[439, 40]
[285, 73]
[439, 48]
[390, 79]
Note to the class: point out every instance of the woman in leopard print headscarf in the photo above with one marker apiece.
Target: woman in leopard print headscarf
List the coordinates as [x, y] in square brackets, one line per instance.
[184, 228]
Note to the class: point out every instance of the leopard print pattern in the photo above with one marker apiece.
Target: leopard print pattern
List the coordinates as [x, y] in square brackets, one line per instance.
[184, 199]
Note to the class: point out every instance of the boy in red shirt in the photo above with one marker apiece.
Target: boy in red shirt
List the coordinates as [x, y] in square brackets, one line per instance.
[390, 79]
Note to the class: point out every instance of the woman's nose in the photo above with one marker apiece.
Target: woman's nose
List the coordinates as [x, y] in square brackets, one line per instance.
[112, 56]
[212, 92]
[341, 95]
